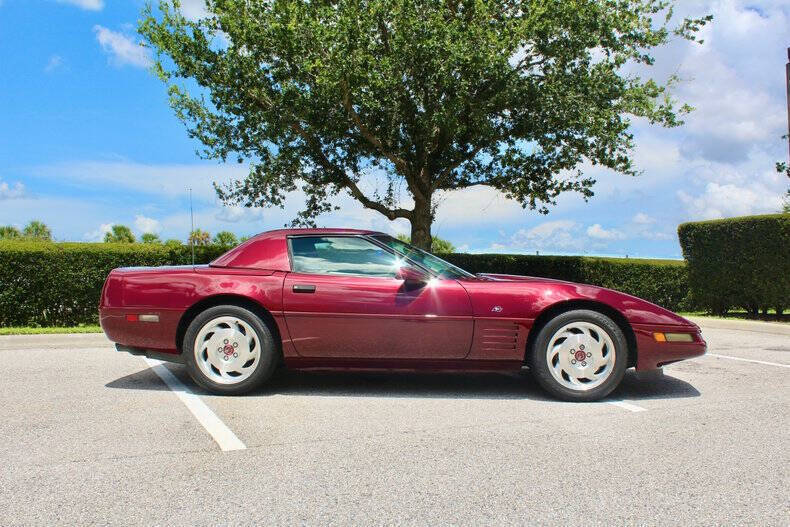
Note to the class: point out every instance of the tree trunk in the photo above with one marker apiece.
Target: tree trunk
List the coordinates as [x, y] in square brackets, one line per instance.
[421, 221]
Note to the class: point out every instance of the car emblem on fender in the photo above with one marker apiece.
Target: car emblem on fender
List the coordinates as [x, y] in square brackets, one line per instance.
[496, 309]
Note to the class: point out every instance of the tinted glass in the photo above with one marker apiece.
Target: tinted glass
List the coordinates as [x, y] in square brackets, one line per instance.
[425, 259]
[341, 255]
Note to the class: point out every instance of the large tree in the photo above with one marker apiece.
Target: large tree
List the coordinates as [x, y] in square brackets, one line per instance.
[424, 96]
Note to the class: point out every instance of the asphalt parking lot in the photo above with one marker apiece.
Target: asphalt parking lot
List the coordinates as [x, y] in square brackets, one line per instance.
[92, 436]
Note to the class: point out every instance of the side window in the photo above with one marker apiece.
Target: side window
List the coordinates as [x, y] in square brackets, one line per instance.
[341, 255]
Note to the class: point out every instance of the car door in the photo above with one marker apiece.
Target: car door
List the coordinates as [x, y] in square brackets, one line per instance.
[343, 300]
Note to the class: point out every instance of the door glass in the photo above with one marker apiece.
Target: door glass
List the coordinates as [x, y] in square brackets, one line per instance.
[341, 255]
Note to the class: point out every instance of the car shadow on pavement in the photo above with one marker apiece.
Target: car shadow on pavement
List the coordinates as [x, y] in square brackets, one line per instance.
[406, 384]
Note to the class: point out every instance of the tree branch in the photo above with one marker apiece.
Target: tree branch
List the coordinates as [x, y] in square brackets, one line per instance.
[449, 170]
[318, 154]
[340, 175]
[399, 163]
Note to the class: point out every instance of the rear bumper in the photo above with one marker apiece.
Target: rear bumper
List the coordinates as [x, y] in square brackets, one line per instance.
[652, 354]
[159, 336]
[151, 354]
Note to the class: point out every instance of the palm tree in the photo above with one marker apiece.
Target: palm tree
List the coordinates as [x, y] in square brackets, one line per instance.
[37, 230]
[9, 232]
[119, 234]
[150, 237]
[225, 239]
[199, 237]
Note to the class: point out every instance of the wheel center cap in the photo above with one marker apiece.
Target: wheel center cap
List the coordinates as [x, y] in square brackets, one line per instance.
[228, 350]
[580, 355]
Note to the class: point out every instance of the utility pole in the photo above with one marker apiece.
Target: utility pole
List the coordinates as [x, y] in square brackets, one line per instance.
[787, 79]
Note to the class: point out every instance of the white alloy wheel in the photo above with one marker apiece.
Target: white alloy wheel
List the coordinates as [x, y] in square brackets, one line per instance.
[227, 350]
[581, 356]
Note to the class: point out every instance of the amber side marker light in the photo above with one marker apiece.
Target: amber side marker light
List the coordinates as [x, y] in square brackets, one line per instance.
[673, 337]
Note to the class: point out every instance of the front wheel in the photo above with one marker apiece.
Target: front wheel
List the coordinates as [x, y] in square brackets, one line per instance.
[229, 350]
[579, 355]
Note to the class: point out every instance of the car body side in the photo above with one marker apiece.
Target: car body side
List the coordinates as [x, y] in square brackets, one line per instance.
[494, 314]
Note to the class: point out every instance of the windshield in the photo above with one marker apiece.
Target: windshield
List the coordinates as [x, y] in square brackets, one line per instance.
[425, 259]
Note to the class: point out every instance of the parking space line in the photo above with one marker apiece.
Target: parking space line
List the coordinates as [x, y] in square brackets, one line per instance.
[223, 435]
[627, 406]
[747, 360]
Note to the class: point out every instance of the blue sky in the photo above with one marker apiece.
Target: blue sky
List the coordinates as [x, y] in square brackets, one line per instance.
[87, 140]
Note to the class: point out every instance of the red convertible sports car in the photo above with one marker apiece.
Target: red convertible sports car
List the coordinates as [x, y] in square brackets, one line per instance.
[353, 299]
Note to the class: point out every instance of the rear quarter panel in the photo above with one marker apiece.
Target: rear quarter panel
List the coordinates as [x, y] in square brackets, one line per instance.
[169, 293]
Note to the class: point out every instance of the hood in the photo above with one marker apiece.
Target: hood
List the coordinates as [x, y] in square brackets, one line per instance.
[517, 278]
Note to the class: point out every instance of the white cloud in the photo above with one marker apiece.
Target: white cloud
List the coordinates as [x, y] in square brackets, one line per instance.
[719, 201]
[596, 231]
[15, 191]
[194, 9]
[98, 234]
[122, 48]
[641, 218]
[551, 235]
[733, 80]
[89, 5]
[171, 181]
[54, 62]
[470, 205]
[145, 224]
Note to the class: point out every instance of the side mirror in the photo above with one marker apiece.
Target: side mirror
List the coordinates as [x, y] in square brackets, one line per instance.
[411, 275]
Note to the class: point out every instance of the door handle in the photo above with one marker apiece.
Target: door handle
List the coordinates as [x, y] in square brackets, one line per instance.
[301, 288]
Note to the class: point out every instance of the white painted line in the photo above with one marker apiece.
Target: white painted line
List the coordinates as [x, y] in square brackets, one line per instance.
[223, 435]
[627, 406]
[747, 360]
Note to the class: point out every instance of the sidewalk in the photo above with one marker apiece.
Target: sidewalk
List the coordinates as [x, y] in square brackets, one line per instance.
[758, 326]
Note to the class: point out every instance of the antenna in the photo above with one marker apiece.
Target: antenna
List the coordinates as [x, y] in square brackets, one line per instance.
[192, 230]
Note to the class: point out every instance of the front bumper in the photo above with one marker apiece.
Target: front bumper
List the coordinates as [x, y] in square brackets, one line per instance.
[652, 354]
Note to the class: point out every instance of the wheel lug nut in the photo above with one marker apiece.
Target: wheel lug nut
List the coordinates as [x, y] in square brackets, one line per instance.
[581, 347]
[235, 355]
[226, 341]
[235, 344]
[589, 354]
[573, 361]
[584, 363]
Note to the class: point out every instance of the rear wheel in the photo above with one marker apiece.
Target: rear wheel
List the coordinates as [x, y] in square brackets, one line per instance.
[580, 355]
[229, 350]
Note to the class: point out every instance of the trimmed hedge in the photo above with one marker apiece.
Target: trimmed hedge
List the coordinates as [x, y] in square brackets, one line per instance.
[59, 284]
[739, 262]
[663, 282]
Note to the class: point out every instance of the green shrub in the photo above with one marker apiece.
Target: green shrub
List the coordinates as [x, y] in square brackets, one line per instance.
[58, 284]
[663, 282]
[739, 262]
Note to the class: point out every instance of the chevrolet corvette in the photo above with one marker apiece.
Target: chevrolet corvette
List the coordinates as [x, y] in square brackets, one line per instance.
[355, 299]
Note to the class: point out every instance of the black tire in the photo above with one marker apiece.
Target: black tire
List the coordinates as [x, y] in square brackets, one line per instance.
[269, 354]
[539, 364]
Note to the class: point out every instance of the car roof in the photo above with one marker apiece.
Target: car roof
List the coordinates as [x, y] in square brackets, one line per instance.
[282, 233]
[269, 250]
